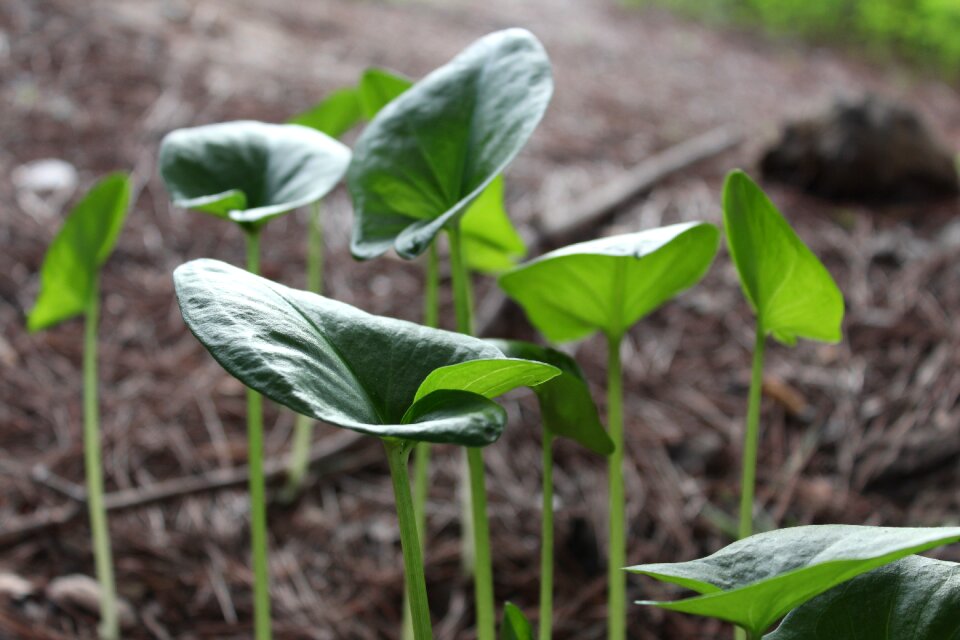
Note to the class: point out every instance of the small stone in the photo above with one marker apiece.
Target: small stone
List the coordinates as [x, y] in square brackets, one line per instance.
[82, 592]
[15, 587]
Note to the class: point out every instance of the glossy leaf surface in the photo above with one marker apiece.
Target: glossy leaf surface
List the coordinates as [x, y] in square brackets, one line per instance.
[916, 598]
[788, 288]
[566, 407]
[73, 260]
[488, 378]
[331, 361]
[428, 154]
[609, 284]
[250, 172]
[757, 580]
[515, 625]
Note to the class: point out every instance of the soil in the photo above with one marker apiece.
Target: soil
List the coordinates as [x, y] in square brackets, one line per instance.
[864, 432]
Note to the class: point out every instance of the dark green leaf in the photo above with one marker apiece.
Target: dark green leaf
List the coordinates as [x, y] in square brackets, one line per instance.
[565, 404]
[335, 115]
[474, 419]
[250, 172]
[427, 155]
[609, 284]
[326, 359]
[790, 290]
[757, 580]
[488, 378]
[515, 625]
[74, 258]
[491, 244]
[916, 598]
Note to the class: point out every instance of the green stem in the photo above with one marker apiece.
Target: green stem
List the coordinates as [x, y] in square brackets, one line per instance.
[258, 503]
[751, 438]
[546, 541]
[461, 283]
[315, 249]
[102, 556]
[397, 454]
[616, 578]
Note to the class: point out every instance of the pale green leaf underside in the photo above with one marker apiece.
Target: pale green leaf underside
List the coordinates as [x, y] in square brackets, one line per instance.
[250, 172]
[489, 378]
[566, 407]
[83, 244]
[323, 358]
[915, 598]
[515, 625]
[757, 580]
[790, 290]
[491, 243]
[429, 153]
[609, 284]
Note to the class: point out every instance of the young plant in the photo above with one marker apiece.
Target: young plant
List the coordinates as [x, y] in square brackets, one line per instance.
[70, 286]
[756, 581]
[395, 380]
[419, 165]
[789, 290]
[249, 173]
[515, 625]
[566, 410]
[608, 285]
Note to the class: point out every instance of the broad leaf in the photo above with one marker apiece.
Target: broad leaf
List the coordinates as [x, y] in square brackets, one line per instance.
[334, 115]
[916, 598]
[491, 243]
[331, 361]
[488, 378]
[515, 625]
[788, 288]
[378, 88]
[250, 172]
[566, 407]
[428, 154]
[73, 260]
[757, 580]
[609, 284]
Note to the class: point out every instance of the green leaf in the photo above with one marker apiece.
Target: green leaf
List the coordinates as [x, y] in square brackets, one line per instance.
[566, 407]
[916, 598]
[330, 361]
[515, 625]
[84, 242]
[609, 284]
[378, 88]
[488, 378]
[250, 172]
[755, 581]
[428, 154]
[788, 288]
[491, 243]
[335, 115]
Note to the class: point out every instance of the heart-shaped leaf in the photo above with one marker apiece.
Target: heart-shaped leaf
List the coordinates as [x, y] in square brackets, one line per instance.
[515, 625]
[757, 580]
[73, 260]
[334, 115]
[491, 243]
[788, 288]
[609, 284]
[916, 598]
[378, 88]
[250, 172]
[428, 154]
[488, 378]
[566, 407]
[328, 360]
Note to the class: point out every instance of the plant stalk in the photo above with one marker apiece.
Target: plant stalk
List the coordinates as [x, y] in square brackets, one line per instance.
[102, 555]
[546, 541]
[616, 578]
[397, 454]
[258, 502]
[479, 522]
[303, 425]
[751, 438]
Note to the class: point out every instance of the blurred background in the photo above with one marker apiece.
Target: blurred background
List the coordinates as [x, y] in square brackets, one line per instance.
[850, 111]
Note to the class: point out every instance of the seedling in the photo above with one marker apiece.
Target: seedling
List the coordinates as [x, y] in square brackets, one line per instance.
[70, 286]
[515, 625]
[419, 165]
[395, 380]
[249, 173]
[789, 290]
[756, 581]
[608, 285]
[566, 410]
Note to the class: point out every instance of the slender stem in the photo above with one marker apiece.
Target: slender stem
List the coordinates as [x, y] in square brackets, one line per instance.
[315, 249]
[616, 578]
[483, 568]
[461, 283]
[751, 438]
[397, 454]
[102, 556]
[258, 503]
[546, 541]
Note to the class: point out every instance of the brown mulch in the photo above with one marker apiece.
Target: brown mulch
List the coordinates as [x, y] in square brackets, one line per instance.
[867, 431]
